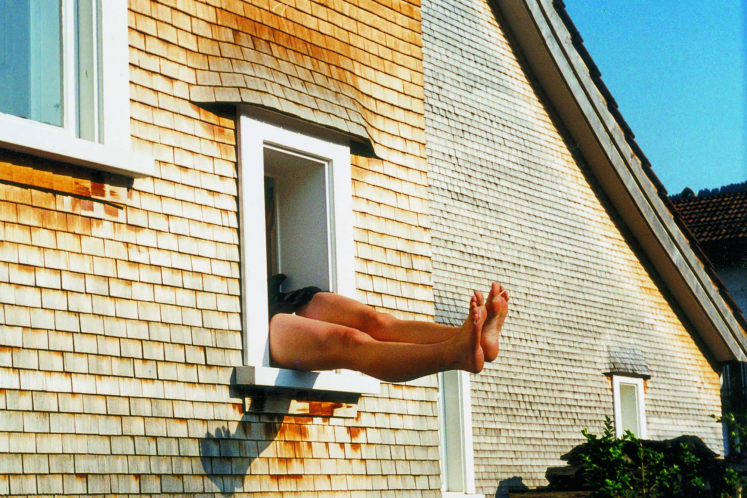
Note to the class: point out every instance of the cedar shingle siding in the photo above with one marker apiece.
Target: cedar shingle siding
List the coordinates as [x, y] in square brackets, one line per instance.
[509, 201]
[120, 300]
[121, 319]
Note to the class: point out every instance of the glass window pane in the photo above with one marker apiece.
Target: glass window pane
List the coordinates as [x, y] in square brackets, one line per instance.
[31, 59]
[87, 69]
[629, 408]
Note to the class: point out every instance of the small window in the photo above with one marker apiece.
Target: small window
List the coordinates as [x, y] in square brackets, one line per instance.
[305, 175]
[630, 410]
[457, 460]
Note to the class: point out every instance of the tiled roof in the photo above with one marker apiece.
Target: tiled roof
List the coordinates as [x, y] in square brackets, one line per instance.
[721, 217]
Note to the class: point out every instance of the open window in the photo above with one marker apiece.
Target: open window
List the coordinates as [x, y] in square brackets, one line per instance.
[630, 409]
[307, 172]
[455, 414]
[300, 244]
[64, 75]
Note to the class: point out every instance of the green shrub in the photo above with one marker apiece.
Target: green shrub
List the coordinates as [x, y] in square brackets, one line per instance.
[628, 467]
[737, 427]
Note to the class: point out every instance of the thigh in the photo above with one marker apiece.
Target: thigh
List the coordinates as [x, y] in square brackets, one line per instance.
[341, 310]
[304, 343]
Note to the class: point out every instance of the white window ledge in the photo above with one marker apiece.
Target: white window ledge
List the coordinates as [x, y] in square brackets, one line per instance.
[29, 137]
[458, 494]
[321, 381]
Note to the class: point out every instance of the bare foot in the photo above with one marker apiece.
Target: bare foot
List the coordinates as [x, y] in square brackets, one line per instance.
[496, 307]
[470, 356]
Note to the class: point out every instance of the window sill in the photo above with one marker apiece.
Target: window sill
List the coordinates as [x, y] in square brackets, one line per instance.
[29, 137]
[317, 381]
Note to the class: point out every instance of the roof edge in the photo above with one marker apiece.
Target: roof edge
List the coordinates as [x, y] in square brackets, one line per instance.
[554, 49]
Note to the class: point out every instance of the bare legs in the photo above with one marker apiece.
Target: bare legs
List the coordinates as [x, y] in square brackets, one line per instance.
[342, 310]
[333, 332]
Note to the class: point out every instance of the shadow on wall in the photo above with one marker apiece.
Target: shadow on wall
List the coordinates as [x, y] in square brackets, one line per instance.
[231, 446]
[228, 450]
[511, 484]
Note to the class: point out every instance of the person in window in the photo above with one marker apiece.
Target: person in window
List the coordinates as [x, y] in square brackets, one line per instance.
[315, 330]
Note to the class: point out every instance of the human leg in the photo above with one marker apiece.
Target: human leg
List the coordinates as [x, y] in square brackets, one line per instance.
[303, 343]
[341, 310]
[334, 308]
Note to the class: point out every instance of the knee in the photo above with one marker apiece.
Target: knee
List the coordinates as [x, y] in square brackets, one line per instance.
[375, 323]
[281, 341]
[347, 338]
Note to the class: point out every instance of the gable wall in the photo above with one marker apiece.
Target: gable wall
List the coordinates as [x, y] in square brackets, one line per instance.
[120, 324]
[510, 202]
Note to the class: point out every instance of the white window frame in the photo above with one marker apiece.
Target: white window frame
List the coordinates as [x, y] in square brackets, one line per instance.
[113, 153]
[638, 382]
[256, 131]
[463, 412]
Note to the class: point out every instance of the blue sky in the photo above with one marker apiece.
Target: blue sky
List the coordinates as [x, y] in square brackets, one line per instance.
[677, 71]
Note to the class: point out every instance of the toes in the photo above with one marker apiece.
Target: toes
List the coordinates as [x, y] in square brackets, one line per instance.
[480, 298]
[497, 290]
[493, 290]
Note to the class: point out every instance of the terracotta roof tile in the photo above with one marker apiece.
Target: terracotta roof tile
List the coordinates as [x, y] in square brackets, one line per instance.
[720, 217]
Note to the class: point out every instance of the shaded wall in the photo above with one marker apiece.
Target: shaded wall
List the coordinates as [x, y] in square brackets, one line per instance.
[511, 202]
[735, 279]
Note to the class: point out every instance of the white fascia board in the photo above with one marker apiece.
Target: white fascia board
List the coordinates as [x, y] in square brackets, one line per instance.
[29, 137]
[546, 43]
[296, 379]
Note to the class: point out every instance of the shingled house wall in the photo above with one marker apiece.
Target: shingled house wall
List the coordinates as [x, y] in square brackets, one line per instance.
[510, 201]
[120, 309]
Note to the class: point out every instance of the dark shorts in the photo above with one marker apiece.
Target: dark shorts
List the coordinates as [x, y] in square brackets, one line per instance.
[287, 302]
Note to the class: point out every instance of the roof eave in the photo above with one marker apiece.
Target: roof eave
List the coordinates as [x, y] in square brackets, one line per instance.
[547, 45]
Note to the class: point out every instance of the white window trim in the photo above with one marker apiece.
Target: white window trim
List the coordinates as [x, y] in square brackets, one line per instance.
[254, 133]
[113, 154]
[616, 381]
[467, 449]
